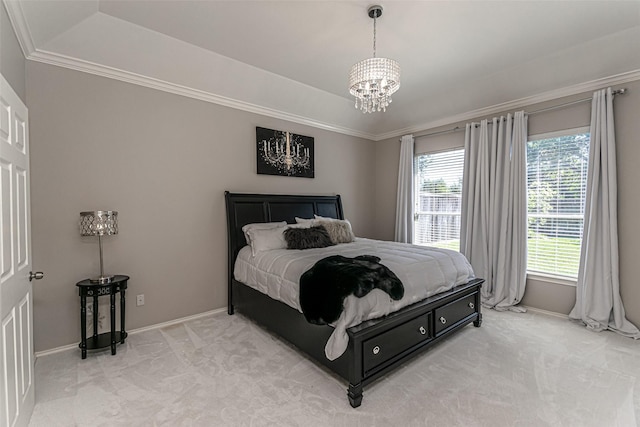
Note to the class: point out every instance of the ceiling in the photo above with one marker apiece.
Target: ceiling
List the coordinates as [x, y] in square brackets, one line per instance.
[290, 59]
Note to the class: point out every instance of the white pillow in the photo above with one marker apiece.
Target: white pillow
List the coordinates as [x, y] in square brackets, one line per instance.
[264, 239]
[310, 221]
[260, 226]
[307, 224]
[326, 218]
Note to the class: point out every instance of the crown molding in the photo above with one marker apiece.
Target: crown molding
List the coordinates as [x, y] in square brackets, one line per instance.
[551, 95]
[65, 61]
[20, 27]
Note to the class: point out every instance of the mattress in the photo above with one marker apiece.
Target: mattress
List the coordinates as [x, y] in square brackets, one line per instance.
[424, 271]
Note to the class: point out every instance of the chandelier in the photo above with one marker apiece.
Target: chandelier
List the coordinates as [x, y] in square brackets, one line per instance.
[373, 81]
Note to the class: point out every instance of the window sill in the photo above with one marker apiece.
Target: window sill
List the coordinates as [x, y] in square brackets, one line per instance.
[557, 280]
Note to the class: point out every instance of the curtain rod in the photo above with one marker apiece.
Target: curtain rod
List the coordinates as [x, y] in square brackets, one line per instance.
[555, 107]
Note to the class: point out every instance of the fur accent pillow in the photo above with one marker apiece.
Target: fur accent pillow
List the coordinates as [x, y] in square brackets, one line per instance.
[339, 231]
[307, 238]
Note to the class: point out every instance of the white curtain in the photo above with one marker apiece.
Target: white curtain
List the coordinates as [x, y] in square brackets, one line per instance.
[404, 202]
[598, 302]
[493, 233]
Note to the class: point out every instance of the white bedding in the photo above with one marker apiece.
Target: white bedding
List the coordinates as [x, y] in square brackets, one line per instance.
[424, 271]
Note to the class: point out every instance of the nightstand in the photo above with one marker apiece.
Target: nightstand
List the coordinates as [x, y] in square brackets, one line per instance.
[87, 288]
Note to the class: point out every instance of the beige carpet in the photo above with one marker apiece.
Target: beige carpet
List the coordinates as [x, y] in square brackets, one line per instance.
[516, 370]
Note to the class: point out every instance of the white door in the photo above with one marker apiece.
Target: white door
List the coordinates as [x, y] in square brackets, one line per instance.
[16, 303]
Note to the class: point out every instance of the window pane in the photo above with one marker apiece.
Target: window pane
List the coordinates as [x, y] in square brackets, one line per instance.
[556, 190]
[438, 188]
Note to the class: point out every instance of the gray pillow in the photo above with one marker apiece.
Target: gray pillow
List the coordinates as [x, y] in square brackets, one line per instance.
[339, 231]
[307, 238]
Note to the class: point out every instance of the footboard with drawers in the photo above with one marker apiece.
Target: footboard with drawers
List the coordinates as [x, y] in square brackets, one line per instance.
[379, 345]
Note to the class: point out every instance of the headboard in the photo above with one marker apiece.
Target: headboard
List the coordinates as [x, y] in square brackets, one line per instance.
[245, 209]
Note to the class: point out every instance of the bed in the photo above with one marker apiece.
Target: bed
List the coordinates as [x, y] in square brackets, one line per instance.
[375, 347]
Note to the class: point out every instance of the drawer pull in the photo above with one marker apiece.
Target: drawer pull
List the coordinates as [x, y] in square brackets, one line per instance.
[422, 330]
[443, 320]
[472, 305]
[376, 350]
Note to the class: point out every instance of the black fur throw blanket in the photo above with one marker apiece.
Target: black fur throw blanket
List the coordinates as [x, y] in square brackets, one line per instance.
[324, 286]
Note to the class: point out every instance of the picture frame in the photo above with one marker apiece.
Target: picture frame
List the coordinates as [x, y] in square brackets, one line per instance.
[284, 153]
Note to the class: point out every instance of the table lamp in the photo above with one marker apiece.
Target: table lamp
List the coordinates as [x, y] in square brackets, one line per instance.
[99, 223]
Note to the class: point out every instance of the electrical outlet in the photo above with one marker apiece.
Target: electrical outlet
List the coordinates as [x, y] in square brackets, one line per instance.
[140, 300]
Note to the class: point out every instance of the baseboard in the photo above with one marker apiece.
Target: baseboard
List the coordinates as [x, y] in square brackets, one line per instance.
[138, 330]
[223, 310]
[546, 312]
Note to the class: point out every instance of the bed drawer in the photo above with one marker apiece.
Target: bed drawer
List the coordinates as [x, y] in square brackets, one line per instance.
[450, 314]
[388, 344]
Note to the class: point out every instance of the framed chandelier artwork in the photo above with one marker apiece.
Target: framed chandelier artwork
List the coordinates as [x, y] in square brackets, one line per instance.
[284, 153]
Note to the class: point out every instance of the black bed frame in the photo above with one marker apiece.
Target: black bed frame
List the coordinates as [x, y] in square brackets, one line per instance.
[376, 346]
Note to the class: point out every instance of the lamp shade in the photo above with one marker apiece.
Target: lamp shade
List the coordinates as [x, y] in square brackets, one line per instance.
[98, 223]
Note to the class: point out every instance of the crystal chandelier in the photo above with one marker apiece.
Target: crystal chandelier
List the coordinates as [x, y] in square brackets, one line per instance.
[373, 81]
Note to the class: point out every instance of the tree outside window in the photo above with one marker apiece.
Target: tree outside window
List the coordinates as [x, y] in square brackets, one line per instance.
[556, 192]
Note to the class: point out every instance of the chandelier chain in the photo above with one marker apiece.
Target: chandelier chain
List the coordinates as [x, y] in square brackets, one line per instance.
[375, 16]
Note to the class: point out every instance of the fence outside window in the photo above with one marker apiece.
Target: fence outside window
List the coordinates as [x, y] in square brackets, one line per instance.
[438, 198]
[438, 220]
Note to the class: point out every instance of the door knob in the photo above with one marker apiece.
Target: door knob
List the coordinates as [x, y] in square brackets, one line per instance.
[37, 275]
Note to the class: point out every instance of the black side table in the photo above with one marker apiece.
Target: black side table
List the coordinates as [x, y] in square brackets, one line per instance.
[92, 289]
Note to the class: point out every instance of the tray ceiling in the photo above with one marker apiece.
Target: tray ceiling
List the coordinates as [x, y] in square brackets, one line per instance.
[290, 59]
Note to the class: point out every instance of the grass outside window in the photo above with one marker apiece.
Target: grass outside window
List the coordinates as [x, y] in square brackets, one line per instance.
[558, 256]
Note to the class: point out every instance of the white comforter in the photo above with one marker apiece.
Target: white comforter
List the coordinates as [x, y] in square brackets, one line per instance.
[424, 271]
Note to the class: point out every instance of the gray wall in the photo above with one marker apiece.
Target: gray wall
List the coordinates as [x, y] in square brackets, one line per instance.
[543, 294]
[163, 162]
[12, 62]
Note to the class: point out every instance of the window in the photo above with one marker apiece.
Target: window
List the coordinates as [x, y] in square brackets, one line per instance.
[556, 189]
[438, 197]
